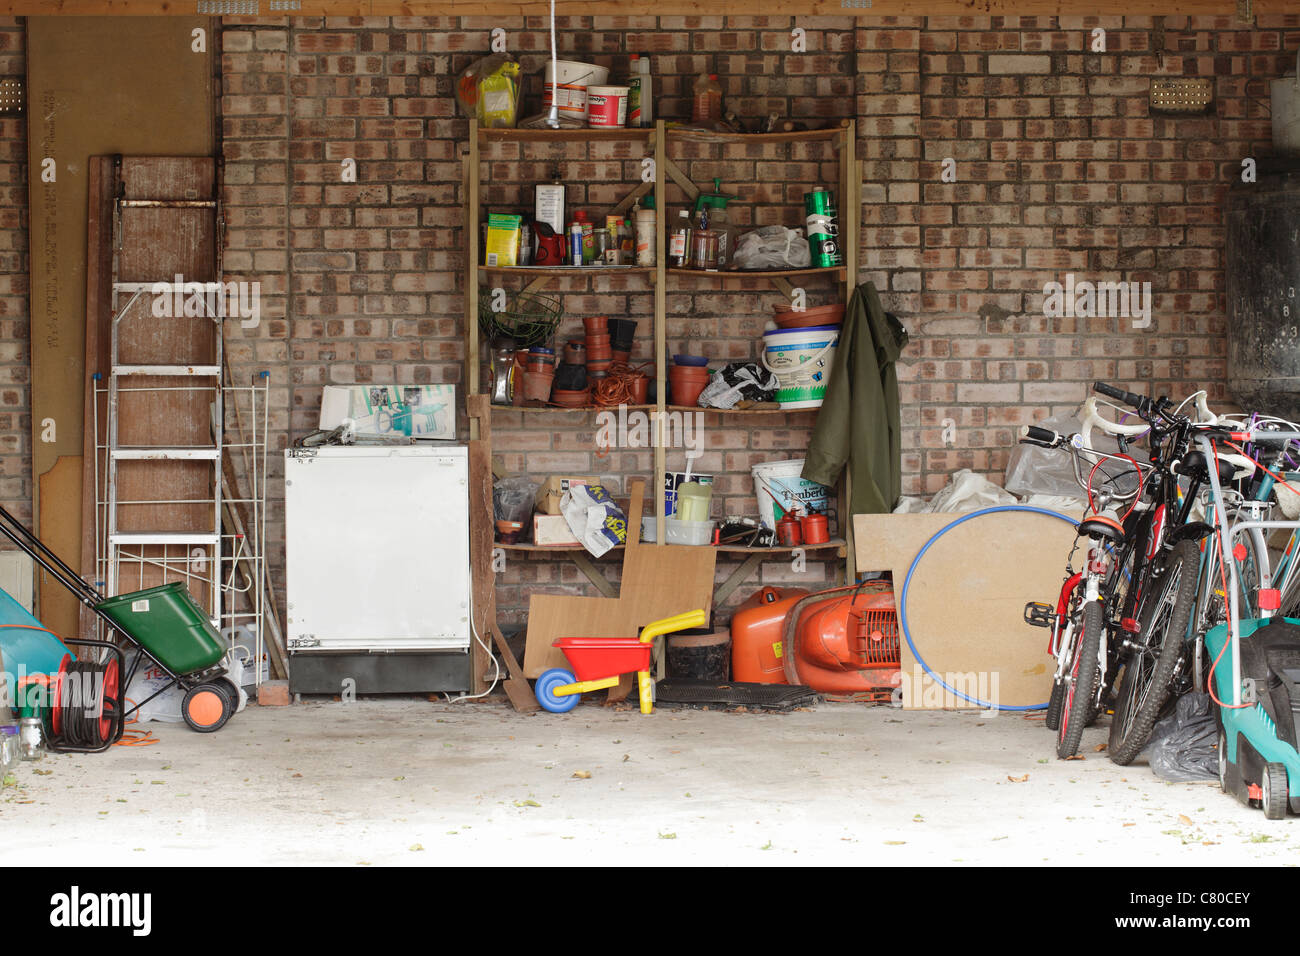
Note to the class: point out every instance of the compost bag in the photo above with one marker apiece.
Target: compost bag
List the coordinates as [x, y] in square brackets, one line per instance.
[1183, 744]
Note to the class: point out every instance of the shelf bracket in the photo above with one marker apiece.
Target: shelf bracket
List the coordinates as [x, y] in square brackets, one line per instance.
[736, 578]
[626, 203]
[784, 286]
[593, 574]
[681, 179]
[538, 284]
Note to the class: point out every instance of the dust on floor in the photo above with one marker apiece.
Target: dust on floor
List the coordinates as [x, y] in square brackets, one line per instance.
[406, 781]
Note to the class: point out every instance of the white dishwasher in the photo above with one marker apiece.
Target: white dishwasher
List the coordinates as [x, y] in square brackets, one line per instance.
[377, 568]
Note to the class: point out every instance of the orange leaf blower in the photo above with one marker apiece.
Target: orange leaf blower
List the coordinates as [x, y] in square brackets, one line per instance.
[841, 641]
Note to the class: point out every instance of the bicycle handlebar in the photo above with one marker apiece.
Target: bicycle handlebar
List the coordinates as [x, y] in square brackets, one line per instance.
[1138, 402]
[1035, 435]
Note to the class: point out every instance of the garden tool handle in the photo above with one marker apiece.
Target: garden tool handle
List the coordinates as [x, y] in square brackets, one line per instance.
[678, 622]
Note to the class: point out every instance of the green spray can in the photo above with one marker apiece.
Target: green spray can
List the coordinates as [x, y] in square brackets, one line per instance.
[823, 228]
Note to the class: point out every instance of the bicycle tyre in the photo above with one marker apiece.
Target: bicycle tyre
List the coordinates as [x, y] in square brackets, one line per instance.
[1144, 690]
[1079, 700]
[1054, 706]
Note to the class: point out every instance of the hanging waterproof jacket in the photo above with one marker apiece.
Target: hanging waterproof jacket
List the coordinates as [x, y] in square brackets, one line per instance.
[858, 423]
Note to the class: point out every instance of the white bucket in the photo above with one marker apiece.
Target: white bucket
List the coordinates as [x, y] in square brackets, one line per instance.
[801, 360]
[606, 106]
[574, 79]
[780, 480]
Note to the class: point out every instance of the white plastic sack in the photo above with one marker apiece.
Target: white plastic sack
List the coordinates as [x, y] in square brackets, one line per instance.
[909, 506]
[149, 679]
[593, 518]
[967, 491]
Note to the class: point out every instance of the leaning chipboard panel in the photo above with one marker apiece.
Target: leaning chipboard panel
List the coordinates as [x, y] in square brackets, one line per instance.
[377, 548]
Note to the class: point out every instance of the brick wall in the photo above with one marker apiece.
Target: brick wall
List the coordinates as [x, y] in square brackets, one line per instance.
[1060, 167]
[15, 358]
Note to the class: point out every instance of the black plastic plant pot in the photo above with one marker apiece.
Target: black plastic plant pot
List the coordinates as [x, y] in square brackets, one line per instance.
[621, 333]
[571, 378]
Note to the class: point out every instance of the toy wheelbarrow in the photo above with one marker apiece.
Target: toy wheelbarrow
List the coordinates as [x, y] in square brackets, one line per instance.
[599, 662]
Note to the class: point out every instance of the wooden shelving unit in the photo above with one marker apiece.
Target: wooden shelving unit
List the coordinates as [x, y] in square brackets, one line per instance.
[658, 142]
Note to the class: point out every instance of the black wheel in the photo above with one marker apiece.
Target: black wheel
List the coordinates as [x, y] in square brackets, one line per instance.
[1276, 796]
[231, 691]
[206, 708]
[1223, 761]
[1054, 705]
[1081, 690]
[1149, 670]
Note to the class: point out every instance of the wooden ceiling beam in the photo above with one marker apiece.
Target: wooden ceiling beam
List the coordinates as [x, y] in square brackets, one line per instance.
[602, 8]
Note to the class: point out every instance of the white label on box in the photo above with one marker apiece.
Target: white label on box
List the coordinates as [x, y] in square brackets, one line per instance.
[141, 606]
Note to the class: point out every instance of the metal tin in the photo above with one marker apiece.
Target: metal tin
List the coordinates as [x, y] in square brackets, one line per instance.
[823, 228]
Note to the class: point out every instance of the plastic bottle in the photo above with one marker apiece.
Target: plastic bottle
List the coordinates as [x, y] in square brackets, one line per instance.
[641, 96]
[715, 205]
[626, 243]
[706, 107]
[645, 235]
[679, 249]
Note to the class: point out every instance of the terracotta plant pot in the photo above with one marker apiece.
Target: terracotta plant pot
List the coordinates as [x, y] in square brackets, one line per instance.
[622, 356]
[575, 353]
[508, 531]
[571, 399]
[596, 323]
[639, 386]
[598, 340]
[537, 385]
[686, 393]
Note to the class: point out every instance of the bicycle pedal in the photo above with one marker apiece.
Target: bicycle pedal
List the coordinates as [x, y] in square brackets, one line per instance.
[1040, 615]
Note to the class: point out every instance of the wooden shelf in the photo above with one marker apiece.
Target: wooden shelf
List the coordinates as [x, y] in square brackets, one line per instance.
[712, 136]
[834, 271]
[833, 544]
[563, 135]
[557, 410]
[536, 271]
[766, 408]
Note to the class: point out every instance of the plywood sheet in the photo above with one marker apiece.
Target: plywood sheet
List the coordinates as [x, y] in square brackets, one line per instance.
[965, 604]
[658, 581]
[96, 85]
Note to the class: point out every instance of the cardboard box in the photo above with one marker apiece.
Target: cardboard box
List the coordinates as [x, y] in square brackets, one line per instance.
[417, 411]
[552, 531]
[548, 497]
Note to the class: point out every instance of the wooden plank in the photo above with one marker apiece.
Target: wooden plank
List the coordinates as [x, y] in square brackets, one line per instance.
[661, 326]
[736, 578]
[681, 179]
[601, 583]
[482, 577]
[562, 135]
[99, 271]
[513, 10]
[837, 271]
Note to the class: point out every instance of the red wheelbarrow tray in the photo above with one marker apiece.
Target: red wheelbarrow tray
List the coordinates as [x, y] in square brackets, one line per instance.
[595, 657]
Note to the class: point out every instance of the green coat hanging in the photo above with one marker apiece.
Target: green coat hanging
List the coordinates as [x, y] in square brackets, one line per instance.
[858, 423]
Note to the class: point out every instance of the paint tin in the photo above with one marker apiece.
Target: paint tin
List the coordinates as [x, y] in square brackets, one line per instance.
[606, 106]
[823, 228]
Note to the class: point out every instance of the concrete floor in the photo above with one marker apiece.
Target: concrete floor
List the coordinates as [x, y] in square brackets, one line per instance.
[407, 781]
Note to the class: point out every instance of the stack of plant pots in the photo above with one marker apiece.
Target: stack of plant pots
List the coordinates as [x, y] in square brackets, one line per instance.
[621, 333]
[571, 377]
[539, 374]
[600, 354]
[687, 377]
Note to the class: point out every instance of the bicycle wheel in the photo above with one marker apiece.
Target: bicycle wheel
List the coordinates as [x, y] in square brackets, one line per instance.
[1150, 669]
[1081, 692]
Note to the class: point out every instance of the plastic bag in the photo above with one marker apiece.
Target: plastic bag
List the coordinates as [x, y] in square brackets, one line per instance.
[967, 491]
[594, 519]
[149, 679]
[1184, 745]
[512, 498]
[738, 381]
[772, 247]
[1032, 469]
[488, 89]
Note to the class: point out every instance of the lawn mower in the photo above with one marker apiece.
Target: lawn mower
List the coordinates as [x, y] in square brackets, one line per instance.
[1255, 678]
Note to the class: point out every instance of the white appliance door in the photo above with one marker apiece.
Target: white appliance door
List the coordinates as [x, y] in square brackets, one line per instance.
[377, 548]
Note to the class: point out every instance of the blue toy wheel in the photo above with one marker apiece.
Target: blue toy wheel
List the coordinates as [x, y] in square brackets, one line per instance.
[545, 687]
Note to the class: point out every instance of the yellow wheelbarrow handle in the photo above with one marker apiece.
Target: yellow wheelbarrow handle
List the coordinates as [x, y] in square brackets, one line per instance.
[678, 622]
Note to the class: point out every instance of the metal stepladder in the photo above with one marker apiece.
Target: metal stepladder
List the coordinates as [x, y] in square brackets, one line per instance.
[160, 514]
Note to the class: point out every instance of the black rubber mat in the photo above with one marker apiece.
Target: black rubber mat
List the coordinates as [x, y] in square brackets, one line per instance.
[704, 693]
